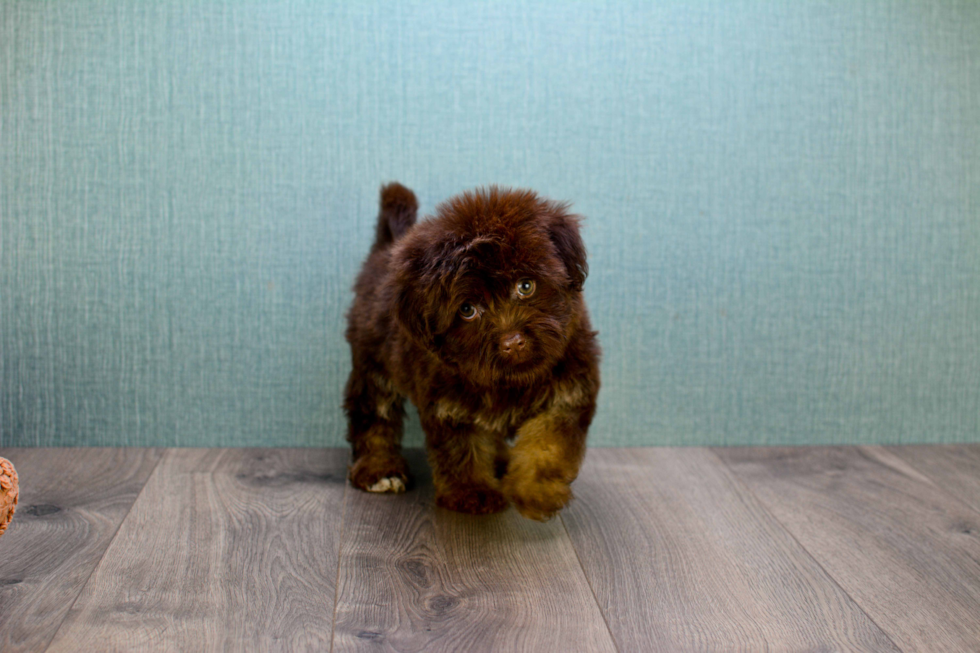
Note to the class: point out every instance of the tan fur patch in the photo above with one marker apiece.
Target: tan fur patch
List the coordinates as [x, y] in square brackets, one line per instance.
[487, 420]
[387, 396]
[538, 441]
[447, 410]
[543, 462]
[383, 382]
[538, 496]
[569, 395]
[493, 421]
[377, 438]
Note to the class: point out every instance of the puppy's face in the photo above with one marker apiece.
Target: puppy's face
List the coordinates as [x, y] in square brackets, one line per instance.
[492, 284]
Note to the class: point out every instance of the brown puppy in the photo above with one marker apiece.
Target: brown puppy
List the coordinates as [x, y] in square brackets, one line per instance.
[477, 316]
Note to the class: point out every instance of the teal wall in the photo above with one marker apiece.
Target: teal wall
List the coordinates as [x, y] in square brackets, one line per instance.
[783, 203]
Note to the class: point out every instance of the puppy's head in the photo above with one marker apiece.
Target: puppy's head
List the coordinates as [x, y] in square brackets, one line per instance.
[492, 284]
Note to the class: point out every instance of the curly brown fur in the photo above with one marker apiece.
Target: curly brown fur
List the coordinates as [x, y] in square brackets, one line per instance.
[476, 315]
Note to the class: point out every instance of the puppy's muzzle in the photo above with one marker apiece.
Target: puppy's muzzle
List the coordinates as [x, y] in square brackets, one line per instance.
[514, 347]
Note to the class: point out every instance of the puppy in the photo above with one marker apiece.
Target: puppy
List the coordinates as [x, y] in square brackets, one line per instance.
[477, 316]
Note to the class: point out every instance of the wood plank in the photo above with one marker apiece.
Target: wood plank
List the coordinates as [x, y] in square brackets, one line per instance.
[682, 557]
[904, 549]
[953, 467]
[224, 549]
[415, 577]
[71, 504]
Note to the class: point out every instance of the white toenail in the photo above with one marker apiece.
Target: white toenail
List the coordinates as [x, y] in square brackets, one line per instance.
[388, 484]
[381, 486]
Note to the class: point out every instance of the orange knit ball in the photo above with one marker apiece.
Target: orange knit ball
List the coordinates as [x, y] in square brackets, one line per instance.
[8, 493]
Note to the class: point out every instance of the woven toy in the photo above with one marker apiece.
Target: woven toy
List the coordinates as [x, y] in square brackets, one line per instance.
[8, 493]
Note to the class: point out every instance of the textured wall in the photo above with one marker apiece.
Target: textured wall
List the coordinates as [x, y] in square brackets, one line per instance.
[783, 204]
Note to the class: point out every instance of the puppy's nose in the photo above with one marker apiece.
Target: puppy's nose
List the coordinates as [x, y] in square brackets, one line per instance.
[512, 344]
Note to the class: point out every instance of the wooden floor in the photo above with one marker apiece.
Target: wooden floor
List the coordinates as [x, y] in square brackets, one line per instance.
[801, 549]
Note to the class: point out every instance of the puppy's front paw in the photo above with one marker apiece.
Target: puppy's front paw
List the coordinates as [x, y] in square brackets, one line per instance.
[472, 500]
[382, 473]
[537, 494]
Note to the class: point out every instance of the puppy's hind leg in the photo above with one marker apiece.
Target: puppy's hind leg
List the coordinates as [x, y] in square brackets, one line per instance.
[374, 418]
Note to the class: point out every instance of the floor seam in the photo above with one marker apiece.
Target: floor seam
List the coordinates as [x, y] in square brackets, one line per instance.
[588, 582]
[805, 550]
[129, 511]
[340, 548]
[932, 479]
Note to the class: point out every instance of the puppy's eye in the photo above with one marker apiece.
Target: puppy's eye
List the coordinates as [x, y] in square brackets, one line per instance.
[525, 287]
[468, 312]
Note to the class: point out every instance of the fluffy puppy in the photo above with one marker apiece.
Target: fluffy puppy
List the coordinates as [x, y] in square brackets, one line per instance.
[477, 316]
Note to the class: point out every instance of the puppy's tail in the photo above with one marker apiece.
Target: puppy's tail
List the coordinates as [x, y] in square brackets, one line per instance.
[398, 211]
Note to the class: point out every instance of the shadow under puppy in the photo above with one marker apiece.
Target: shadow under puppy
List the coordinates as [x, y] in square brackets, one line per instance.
[477, 316]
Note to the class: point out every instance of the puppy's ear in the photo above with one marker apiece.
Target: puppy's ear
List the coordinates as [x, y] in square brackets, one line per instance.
[564, 233]
[412, 310]
[414, 301]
